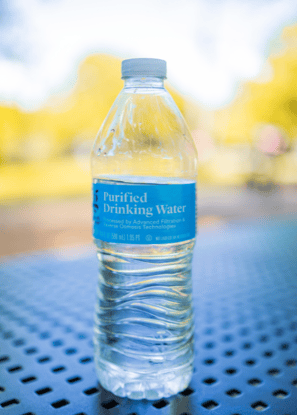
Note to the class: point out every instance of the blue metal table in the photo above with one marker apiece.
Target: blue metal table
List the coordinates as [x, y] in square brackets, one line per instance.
[245, 299]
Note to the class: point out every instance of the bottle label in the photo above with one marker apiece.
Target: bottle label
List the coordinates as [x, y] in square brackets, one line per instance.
[144, 213]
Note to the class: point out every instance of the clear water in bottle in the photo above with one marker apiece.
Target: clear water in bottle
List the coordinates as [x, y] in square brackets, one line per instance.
[144, 167]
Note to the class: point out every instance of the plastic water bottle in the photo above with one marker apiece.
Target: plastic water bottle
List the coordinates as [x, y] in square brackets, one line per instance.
[144, 167]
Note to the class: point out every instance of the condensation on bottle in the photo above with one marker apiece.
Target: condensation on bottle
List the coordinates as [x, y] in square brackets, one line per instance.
[144, 169]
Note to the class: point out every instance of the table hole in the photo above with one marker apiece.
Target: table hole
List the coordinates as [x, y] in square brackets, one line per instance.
[211, 404]
[57, 343]
[4, 359]
[81, 336]
[109, 404]
[264, 338]
[279, 332]
[19, 342]
[10, 403]
[15, 369]
[284, 346]
[280, 394]
[209, 381]
[294, 382]
[227, 338]
[291, 362]
[229, 353]
[33, 328]
[160, 404]
[28, 379]
[44, 359]
[231, 371]
[244, 331]
[58, 369]
[259, 405]
[188, 391]
[74, 379]
[81, 413]
[91, 391]
[45, 335]
[2, 389]
[273, 372]
[274, 320]
[70, 351]
[254, 381]
[31, 350]
[60, 404]
[233, 393]
[260, 325]
[20, 321]
[268, 353]
[29, 413]
[209, 345]
[43, 391]
[250, 362]
[247, 345]
[209, 361]
[85, 360]
[8, 335]
[68, 329]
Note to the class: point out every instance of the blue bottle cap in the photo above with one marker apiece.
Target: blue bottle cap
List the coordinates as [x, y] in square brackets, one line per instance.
[144, 67]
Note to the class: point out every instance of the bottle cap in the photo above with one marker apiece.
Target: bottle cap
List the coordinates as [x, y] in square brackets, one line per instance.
[144, 67]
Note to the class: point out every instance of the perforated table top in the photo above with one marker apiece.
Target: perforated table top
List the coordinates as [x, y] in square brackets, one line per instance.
[245, 299]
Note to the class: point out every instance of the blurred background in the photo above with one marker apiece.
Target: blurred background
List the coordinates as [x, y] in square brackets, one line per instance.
[232, 70]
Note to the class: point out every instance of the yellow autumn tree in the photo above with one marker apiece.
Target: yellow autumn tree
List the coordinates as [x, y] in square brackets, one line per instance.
[73, 117]
[272, 100]
[46, 140]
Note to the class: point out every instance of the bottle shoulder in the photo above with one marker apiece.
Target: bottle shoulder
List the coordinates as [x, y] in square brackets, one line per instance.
[145, 128]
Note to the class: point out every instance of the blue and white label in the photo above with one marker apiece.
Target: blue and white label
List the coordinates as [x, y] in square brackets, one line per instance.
[144, 213]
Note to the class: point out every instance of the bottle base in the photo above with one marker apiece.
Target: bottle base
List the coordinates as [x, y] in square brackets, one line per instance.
[135, 385]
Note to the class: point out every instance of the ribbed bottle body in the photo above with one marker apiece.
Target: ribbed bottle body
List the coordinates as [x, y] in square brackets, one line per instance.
[142, 161]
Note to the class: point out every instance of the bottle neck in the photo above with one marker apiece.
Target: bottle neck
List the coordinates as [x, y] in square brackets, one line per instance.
[150, 82]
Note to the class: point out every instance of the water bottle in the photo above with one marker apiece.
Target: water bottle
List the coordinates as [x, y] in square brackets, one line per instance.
[144, 167]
